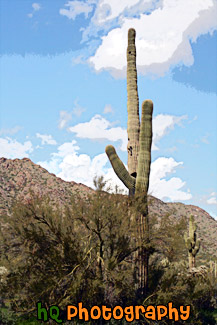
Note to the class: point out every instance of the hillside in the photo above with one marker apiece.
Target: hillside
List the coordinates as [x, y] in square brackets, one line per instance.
[20, 176]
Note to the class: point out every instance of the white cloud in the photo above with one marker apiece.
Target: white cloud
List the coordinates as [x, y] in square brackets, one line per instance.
[10, 130]
[212, 199]
[107, 109]
[12, 149]
[81, 168]
[178, 23]
[51, 165]
[68, 164]
[65, 117]
[164, 188]
[162, 124]
[98, 128]
[193, 119]
[110, 13]
[36, 6]
[46, 139]
[77, 110]
[172, 149]
[64, 150]
[76, 8]
[107, 10]
[67, 148]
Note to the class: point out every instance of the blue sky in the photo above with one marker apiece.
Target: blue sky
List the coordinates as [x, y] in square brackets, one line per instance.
[63, 91]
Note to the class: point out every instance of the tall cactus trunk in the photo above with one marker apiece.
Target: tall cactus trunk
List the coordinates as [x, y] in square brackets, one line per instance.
[191, 261]
[139, 159]
[133, 126]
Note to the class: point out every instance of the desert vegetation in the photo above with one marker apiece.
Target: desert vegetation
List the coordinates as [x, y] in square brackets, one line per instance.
[86, 252]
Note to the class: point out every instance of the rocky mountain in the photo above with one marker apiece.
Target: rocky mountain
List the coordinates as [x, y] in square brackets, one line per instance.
[20, 177]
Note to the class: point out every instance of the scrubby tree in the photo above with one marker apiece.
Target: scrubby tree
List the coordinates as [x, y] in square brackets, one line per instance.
[80, 253]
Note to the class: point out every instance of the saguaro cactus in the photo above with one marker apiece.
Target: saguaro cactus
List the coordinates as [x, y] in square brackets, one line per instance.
[139, 136]
[136, 178]
[192, 243]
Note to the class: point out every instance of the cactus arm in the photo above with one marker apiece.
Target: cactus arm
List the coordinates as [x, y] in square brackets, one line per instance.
[196, 248]
[132, 105]
[119, 168]
[145, 140]
[188, 244]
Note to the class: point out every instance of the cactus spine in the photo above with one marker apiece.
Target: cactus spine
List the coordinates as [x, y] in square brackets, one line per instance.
[136, 179]
[192, 243]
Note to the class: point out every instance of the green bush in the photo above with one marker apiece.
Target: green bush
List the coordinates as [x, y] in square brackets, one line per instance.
[59, 256]
[86, 252]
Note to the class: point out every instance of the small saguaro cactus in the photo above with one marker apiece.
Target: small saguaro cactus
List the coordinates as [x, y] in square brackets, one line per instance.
[136, 178]
[192, 243]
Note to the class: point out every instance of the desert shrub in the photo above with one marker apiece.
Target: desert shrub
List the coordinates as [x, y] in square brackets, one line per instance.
[182, 287]
[85, 252]
[60, 256]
